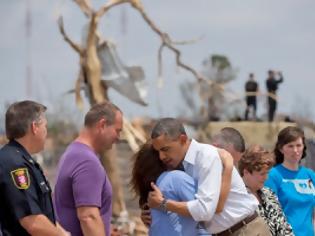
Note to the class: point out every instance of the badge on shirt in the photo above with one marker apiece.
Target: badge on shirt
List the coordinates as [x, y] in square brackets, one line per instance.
[21, 178]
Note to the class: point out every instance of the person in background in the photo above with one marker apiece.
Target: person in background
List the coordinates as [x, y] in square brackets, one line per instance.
[231, 140]
[251, 89]
[293, 183]
[254, 167]
[272, 87]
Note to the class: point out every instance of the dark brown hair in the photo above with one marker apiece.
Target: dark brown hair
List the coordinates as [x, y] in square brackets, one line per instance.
[285, 136]
[105, 110]
[19, 117]
[146, 169]
[254, 159]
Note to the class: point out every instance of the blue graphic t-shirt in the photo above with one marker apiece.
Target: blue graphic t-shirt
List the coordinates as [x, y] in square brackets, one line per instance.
[296, 193]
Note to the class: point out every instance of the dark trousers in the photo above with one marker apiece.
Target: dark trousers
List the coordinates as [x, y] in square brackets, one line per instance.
[272, 106]
[250, 102]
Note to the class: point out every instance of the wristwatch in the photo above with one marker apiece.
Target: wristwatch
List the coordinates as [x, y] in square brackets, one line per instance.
[162, 206]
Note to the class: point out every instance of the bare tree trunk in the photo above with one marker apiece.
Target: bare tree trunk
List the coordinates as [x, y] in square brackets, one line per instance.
[90, 76]
[110, 164]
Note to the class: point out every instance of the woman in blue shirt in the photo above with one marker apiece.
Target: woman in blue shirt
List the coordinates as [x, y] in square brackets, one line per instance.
[176, 185]
[293, 183]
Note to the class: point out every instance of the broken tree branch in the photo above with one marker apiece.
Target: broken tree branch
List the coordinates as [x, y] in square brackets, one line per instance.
[109, 5]
[191, 41]
[160, 66]
[74, 45]
[164, 36]
[85, 6]
[166, 40]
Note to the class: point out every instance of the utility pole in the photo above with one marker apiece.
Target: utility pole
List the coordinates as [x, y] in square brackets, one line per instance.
[28, 36]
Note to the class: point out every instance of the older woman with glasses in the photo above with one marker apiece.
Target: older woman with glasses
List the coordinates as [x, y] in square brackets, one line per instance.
[254, 167]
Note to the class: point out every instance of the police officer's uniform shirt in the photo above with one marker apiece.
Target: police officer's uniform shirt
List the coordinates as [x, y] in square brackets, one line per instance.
[24, 189]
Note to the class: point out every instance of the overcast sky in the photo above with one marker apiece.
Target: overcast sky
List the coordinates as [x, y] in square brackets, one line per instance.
[254, 35]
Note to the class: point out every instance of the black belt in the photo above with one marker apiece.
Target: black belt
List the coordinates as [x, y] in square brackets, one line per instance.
[237, 226]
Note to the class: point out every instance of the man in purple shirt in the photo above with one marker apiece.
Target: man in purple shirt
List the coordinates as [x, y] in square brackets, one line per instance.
[83, 192]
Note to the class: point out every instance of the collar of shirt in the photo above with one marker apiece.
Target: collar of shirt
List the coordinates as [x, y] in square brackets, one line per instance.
[22, 150]
[190, 156]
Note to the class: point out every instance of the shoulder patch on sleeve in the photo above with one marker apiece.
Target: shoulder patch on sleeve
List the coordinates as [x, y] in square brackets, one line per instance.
[21, 178]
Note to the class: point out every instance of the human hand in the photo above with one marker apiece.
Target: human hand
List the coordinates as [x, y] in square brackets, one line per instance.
[146, 215]
[155, 197]
[62, 231]
[226, 158]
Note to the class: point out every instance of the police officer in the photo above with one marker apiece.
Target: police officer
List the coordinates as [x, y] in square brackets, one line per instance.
[272, 87]
[251, 89]
[25, 199]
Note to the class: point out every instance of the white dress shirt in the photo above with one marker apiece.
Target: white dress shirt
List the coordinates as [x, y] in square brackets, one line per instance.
[203, 163]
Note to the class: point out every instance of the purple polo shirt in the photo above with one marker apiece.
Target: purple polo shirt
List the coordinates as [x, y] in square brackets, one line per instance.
[81, 181]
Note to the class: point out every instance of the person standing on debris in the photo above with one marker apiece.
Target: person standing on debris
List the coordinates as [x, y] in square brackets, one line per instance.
[25, 199]
[83, 192]
[293, 183]
[203, 164]
[272, 87]
[251, 90]
[254, 167]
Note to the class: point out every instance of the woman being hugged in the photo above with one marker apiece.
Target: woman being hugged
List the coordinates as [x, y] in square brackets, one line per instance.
[254, 167]
[175, 184]
[293, 183]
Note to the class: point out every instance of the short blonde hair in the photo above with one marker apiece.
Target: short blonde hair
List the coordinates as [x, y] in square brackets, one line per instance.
[255, 158]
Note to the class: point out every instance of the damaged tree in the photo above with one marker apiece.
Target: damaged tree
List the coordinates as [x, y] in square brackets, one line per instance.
[92, 69]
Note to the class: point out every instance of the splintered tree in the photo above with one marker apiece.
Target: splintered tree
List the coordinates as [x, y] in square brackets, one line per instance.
[219, 71]
[212, 92]
[92, 68]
